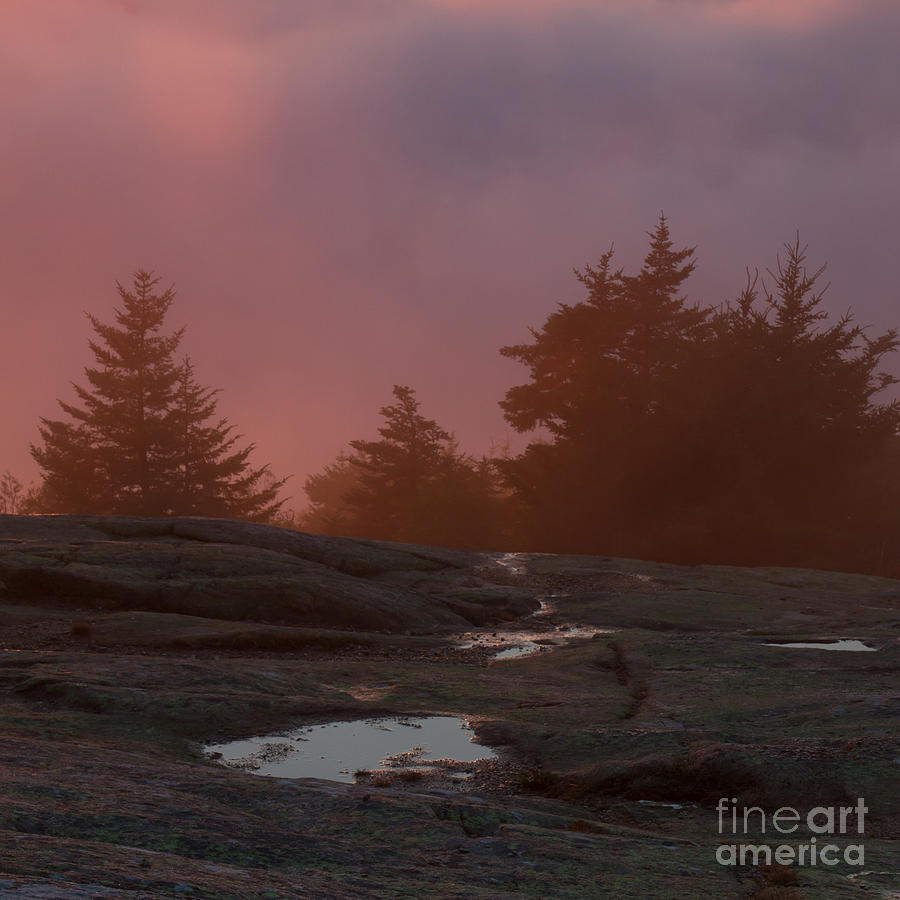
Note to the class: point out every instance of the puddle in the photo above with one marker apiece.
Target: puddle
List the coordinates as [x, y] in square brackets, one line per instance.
[515, 644]
[852, 645]
[338, 749]
[662, 804]
[514, 562]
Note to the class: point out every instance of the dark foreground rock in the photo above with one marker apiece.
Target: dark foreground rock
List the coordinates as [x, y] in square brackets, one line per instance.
[126, 645]
[222, 569]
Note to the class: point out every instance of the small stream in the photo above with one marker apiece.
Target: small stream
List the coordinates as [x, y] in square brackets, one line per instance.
[514, 644]
[341, 751]
[514, 562]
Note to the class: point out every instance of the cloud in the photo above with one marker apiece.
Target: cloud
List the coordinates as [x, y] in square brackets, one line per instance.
[352, 195]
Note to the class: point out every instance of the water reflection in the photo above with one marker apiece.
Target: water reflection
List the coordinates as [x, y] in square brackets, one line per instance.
[338, 749]
[516, 644]
[852, 645]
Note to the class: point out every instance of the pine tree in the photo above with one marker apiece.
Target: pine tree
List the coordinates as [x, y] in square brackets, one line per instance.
[116, 455]
[412, 485]
[611, 358]
[606, 375]
[328, 490]
[140, 442]
[799, 429]
[412, 451]
[748, 434]
[212, 477]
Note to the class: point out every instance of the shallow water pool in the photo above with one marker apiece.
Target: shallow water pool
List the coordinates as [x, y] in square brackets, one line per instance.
[851, 645]
[338, 749]
[515, 644]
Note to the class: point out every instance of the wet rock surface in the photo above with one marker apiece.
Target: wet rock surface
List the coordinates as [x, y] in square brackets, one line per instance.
[240, 571]
[126, 645]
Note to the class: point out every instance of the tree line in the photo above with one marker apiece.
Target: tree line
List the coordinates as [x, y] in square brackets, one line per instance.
[752, 432]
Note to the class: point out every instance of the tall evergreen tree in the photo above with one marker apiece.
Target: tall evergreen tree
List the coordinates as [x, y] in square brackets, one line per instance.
[394, 471]
[749, 434]
[212, 477]
[116, 455]
[605, 376]
[610, 357]
[329, 511]
[799, 426]
[139, 442]
[411, 485]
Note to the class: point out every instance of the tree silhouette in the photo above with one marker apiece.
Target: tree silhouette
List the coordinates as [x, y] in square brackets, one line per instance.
[606, 375]
[745, 434]
[116, 455]
[394, 471]
[611, 355]
[139, 442]
[411, 485]
[213, 478]
[799, 427]
[329, 511]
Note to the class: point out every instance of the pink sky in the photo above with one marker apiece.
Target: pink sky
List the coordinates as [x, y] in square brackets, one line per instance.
[349, 195]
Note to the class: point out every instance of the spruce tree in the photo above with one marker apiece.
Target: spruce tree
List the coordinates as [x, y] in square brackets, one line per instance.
[412, 451]
[411, 485]
[607, 374]
[327, 491]
[794, 428]
[612, 356]
[115, 457]
[212, 478]
[748, 434]
[140, 442]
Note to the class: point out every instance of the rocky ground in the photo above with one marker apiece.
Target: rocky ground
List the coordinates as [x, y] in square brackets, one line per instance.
[128, 644]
